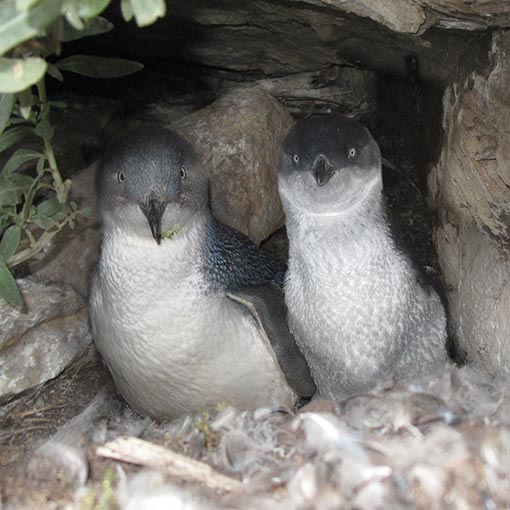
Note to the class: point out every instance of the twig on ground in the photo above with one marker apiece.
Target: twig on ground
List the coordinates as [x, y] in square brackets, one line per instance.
[143, 453]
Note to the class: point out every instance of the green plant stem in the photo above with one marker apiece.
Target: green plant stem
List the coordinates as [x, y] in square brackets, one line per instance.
[61, 188]
[38, 245]
[31, 237]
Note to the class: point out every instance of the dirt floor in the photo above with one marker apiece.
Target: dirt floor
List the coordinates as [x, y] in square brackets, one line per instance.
[32, 418]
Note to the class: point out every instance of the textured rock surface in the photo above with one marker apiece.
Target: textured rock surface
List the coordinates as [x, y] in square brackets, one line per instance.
[470, 188]
[208, 42]
[36, 344]
[412, 16]
[399, 15]
[72, 255]
[238, 139]
[337, 88]
[467, 14]
[79, 129]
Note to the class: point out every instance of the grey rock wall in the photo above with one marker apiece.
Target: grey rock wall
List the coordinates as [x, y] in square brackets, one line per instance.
[470, 190]
[413, 16]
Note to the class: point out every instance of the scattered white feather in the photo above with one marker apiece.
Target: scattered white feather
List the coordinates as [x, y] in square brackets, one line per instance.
[441, 445]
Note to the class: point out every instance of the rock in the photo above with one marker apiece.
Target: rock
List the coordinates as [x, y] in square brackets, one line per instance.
[337, 88]
[238, 139]
[467, 14]
[470, 188]
[44, 302]
[398, 15]
[414, 16]
[212, 43]
[79, 129]
[39, 343]
[71, 256]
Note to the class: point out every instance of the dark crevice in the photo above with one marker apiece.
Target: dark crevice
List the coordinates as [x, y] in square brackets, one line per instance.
[203, 48]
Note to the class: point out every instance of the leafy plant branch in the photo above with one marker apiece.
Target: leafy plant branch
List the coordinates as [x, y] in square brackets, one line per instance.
[34, 198]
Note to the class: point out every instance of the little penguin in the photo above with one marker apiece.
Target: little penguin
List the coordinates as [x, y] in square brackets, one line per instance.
[359, 310]
[186, 312]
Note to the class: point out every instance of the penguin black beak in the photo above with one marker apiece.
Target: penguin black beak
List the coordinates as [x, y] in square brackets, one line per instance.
[153, 211]
[322, 170]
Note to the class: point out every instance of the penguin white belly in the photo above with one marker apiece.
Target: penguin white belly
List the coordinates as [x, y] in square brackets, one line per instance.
[173, 349]
[347, 320]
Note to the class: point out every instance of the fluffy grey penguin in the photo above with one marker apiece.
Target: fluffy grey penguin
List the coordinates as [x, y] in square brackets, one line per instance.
[186, 312]
[360, 312]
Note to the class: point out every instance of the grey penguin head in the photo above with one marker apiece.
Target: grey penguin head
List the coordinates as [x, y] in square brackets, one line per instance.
[328, 165]
[150, 182]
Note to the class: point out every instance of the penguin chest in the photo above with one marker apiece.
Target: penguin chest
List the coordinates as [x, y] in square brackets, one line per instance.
[347, 318]
[173, 349]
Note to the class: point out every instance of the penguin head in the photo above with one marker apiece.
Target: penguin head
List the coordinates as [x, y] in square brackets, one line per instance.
[328, 165]
[151, 182]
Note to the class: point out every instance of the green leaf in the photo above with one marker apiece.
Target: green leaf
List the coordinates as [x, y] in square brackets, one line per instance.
[170, 234]
[20, 157]
[70, 11]
[26, 102]
[127, 10]
[17, 26]
[28, 209]
[25, 97]
[49, 212]
[58, 104]
[98, 67]
[23, 5]
[8, 287]
[40, 165]
[6, 105]
[54, 72]
[95, 26]
[10, 242]
[26, 112]
[18, 74]
[12, 189]
[148, 11]
[44, 112]
[49, 208]
[90, 8]
[7, 213]
[14, 135]
[44, 129]
[43, 222]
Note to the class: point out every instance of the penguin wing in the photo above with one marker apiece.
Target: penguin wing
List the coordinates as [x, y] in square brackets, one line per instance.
[233, 261]
[267, 306]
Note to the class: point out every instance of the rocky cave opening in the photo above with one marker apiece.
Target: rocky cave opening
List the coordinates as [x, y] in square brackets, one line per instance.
[428, 78]
[314, 59]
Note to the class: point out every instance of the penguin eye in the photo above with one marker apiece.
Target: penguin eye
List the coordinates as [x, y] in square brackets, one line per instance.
[295, 158]
[121, 177]
[184, 174]
[353, 152]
